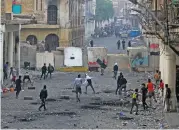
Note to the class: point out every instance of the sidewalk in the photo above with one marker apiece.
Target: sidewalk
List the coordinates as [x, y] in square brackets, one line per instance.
[172, 120]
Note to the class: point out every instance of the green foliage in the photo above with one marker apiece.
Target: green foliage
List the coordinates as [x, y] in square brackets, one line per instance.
[104, 10]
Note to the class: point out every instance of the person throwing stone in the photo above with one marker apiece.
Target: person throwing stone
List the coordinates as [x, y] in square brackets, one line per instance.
[89, 83]
[77, 85]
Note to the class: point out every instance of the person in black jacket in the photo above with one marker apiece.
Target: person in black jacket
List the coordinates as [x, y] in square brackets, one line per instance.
[18, 86]
[129, 44]
[144, 96]
[50, 70]
[123, 44]
[91, 43]
[122, 84]
[44, 71]
[115, 70]
[43, 97]
[118, 82]
[118, 44]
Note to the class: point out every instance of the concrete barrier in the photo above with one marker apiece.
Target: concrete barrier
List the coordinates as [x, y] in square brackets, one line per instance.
[121, 59]
[73, 69]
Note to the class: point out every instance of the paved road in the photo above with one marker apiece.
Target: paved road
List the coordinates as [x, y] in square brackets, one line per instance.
[67, 114]
[111, 44]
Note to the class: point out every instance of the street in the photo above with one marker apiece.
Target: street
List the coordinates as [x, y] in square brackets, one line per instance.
[111, 44]
[102, 110]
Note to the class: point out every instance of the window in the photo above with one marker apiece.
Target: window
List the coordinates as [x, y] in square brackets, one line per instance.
[39, 5]
[52, 14]
[32, 39]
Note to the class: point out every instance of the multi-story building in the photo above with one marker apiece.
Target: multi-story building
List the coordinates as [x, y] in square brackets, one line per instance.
[90, 7]
[59, 22]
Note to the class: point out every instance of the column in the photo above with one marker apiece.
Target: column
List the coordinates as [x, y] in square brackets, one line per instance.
[1, 58]
[161, 65]
[18, 53]
[170, 75]
[10, 49]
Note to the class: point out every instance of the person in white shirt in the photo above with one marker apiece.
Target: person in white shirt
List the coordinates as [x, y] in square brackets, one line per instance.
[89, 83]
[77, 85]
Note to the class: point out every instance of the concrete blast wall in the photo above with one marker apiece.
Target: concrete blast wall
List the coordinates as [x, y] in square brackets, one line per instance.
[122, 60]
[59, 59]
[28, 54]
[42, 58]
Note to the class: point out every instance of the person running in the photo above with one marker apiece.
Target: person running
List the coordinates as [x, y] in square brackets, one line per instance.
[129, 44]
[122, 83]
[161, 88]
[118, 44]
[43, 97]
[5, 70]
[44, 71]
[156, 77]
[50, 70]
[134, 101]
[115, 70]
[18, 86]
[150, 87]
[118, 82]
[77, 84]
[26, 76]
[12, 74]
[167, 98]
[123, 44]
[144, 96]
[89, 83]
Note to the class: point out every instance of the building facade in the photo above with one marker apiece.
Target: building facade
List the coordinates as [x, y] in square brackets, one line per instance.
[90, 7]
[59, 22]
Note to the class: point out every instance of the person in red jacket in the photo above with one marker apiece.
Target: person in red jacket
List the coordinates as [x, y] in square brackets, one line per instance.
[161, 88]
[150, 87]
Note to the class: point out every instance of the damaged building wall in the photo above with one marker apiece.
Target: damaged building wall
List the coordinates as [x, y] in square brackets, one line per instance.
[28, 54]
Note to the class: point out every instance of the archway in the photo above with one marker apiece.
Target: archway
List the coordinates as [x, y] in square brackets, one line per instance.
[52, 14]
[51, 42]
[32, 39]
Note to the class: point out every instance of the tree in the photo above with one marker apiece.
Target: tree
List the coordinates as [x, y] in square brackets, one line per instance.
[104, 10]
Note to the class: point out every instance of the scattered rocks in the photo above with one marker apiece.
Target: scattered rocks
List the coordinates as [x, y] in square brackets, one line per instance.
[31, 88]
[5, 127]
[51, 100]
[28, 98]
[35, 103]
[90, 107]
[26, 119]
[62, 113]
[65, 97]
[108, 91]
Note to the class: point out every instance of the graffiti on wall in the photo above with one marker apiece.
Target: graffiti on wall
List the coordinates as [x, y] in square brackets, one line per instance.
[139, 60]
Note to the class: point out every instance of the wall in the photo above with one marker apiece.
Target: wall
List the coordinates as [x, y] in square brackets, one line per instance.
[73, 56]
[27, 6]
[41, 33]
[138, 57]
[64, 14]
[42, 58]
[59, 59]
[95, 53]
[120, 59]
[28, 54]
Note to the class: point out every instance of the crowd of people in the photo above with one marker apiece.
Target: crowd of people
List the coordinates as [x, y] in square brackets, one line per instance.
[148, 90]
